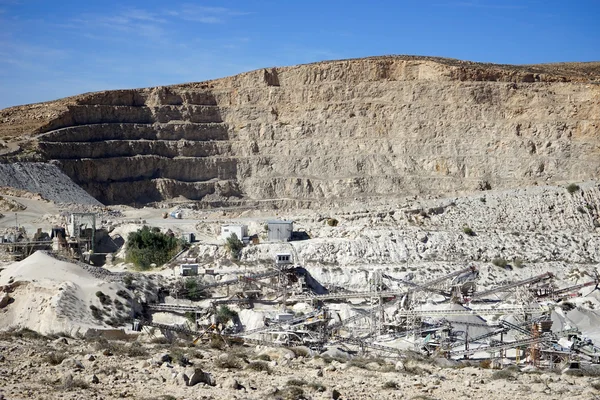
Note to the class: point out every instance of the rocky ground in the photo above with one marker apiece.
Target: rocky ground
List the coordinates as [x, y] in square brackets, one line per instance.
[36, 367]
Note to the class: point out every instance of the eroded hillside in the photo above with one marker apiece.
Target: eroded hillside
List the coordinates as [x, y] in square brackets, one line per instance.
[335, 131]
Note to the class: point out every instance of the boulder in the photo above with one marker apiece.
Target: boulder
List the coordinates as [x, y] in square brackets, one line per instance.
[278, 353]
[72, 364]
[61, 341]
[232, 383]
[445, 362]
[195, 376]
[163, 358]
[4, 300]
[334, 352]
[399, 366]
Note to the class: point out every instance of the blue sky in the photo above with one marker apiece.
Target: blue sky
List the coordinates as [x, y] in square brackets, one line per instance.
[51, 49]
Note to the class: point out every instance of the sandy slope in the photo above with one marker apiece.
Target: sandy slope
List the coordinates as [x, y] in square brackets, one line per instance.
[52, 295]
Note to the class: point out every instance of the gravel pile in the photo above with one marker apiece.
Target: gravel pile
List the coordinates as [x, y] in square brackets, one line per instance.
[45, 179]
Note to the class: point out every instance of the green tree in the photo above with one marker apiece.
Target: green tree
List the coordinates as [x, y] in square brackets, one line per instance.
[149, 246]
[235, 246]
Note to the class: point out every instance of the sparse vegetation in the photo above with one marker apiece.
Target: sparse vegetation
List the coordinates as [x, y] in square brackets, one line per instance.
[229, 362]
[572, 188]
[503, 374]
[259, 366]
[468, 231]
[23, 333]
[292, 393]
[296, 382]
[518, 262]
[96, 312]
[300, 351]
[147, 246]
[74, 384]
[390, 385]
[123, 293]
[317, 387]
[54, 358]
[332, 222]
[192, 292]
[234, 245]
[104, 299]
[128, 281]
[136, 350]
[500, 262]
[225, 314]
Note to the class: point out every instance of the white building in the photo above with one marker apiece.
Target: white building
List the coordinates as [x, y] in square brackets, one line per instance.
[240, 231]
[283, 259]
[188, 269]
[280, 231]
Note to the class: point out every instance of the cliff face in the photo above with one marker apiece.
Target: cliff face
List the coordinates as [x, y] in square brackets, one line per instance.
[335, 131]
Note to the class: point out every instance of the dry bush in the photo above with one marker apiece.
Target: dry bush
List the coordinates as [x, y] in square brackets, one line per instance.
[300, 351]
[503, 374]
[295, 382]
[292, 393]
[390, 385]
[259, 366]
[137, 350]
[317, 387]
[263, 357]
[230, 362]
[54, 358]
[23, 333]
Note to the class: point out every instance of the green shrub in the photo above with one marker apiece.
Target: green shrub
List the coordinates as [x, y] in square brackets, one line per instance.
[500, 262]
[149, 246]
[234, 246]
[96, 312]
[104, 299]
[128, 281]
[192, 291]
[572, 188]
[468, 231]
[225, 314]
[332, 222]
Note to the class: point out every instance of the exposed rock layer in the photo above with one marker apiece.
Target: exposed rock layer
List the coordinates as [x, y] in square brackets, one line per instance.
[342, 130]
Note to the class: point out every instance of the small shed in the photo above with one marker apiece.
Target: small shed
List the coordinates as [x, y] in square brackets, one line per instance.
[283, 259]
[188, 269]
[241, 231]
[188, 237]
[280, 231]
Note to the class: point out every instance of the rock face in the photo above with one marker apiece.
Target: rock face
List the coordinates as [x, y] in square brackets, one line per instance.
[334, 131]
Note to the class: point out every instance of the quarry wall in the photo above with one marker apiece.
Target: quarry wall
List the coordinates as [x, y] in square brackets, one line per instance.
[335, 131]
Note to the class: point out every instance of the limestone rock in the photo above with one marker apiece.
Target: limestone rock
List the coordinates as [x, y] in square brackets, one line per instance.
[195, 376]
[4, 299]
